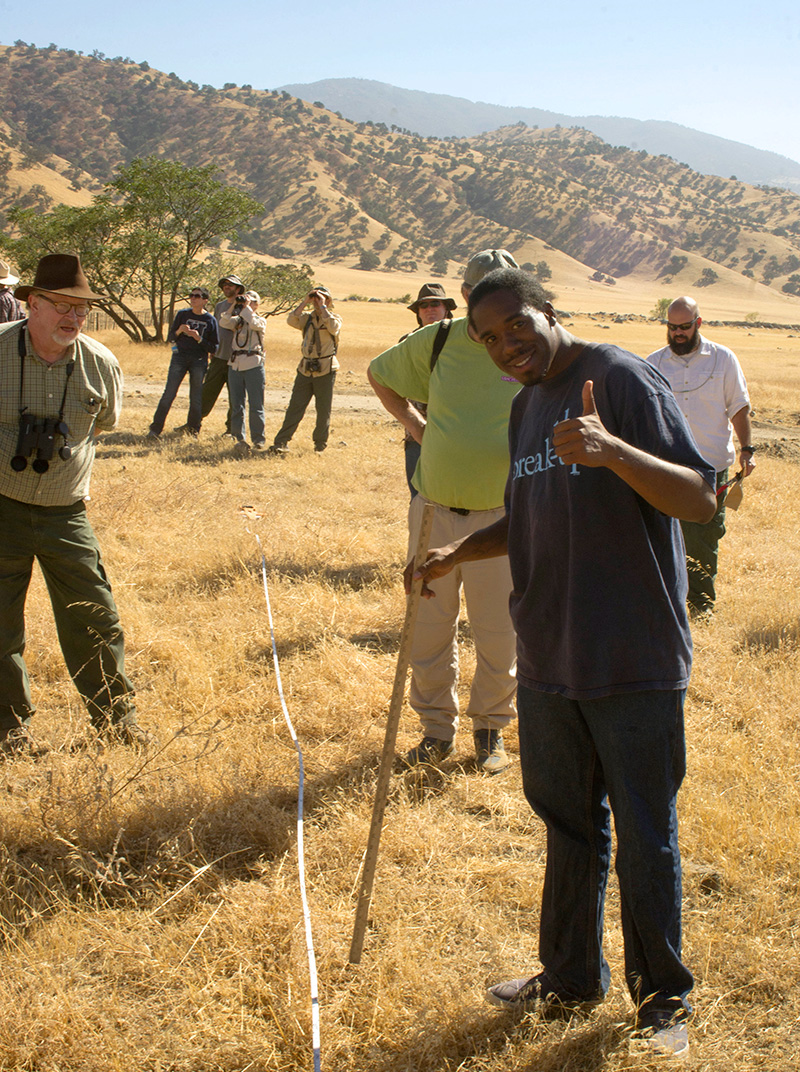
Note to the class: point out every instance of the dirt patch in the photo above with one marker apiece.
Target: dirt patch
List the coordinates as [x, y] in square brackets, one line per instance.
[777, 434]
[144, 393]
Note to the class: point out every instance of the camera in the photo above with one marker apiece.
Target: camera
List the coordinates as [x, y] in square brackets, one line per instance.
[312, 364]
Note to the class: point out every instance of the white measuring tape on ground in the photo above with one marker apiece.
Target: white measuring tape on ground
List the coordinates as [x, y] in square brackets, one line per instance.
[301, 862]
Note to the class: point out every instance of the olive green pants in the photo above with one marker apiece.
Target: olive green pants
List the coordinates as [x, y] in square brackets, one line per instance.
[61, 539]
[702, 543]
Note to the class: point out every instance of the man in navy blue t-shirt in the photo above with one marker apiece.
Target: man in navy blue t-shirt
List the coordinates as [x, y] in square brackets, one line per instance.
[602, 463]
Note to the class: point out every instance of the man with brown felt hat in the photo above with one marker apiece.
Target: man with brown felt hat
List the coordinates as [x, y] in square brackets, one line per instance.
[432, 304]
[59, 390]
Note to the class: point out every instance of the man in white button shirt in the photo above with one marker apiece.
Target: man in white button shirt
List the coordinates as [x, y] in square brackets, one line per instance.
[711, 390]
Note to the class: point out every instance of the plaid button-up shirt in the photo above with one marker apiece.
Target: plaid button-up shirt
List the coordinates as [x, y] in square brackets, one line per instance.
[92, 404]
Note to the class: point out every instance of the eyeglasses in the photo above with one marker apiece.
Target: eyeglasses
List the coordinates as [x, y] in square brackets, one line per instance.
[198, 296]
[62, 307]
[429, 304]
[681, 327]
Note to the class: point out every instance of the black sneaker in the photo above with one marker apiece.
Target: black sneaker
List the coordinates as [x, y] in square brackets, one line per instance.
[490, 755]
[429, 750]
[278, 448]
[537, 993]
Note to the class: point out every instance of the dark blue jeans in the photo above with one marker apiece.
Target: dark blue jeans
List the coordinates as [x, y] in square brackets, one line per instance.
[702, 542]
[579, 757]
[180, 364]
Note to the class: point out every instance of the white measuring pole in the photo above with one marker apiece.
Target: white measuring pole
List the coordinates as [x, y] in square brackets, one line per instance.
[387, 757]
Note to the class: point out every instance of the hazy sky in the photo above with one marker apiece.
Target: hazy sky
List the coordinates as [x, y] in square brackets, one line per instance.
[729, 68]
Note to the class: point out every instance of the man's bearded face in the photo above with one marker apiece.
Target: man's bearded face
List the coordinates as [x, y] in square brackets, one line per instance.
[682, 340]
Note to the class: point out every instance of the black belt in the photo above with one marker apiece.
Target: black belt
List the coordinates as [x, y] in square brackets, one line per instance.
[459, 511]
[245, 353]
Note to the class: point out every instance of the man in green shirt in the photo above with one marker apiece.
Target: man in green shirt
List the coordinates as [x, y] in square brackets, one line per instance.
[59, 389]
[462, 469]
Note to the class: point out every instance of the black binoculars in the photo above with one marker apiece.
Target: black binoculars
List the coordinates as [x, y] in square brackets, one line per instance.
[38, 434]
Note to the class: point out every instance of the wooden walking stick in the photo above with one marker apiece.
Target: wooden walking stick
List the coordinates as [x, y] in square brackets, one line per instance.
[387, 758]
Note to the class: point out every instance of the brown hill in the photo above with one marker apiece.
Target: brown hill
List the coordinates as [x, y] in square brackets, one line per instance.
[338, 191]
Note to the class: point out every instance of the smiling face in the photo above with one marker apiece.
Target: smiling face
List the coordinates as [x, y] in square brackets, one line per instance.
[522, 341]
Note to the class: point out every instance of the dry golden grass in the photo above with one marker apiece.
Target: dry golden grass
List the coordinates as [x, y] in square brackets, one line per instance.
[150, 906]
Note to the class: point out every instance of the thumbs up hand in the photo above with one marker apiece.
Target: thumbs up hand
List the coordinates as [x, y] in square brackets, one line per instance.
[589, 406]
[584, 440]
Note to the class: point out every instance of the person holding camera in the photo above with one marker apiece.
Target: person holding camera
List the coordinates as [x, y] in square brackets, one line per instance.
[194, 335]
[246, 369]
[59, 390]
[216, 376]
[316, 373]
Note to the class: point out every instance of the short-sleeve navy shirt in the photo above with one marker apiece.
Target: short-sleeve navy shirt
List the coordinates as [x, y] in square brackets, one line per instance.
[599, 575]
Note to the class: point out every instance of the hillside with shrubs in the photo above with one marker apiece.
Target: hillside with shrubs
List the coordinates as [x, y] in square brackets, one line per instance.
[381, 197]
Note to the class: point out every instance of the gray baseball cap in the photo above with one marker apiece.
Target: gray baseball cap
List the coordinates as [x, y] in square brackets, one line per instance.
[487, 261]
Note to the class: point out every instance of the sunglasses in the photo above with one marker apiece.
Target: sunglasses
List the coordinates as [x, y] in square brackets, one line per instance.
[681, 327]
[198, 296]
[430, 304]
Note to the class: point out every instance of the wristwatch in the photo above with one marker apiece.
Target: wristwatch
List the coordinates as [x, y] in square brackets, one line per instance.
[747, 450]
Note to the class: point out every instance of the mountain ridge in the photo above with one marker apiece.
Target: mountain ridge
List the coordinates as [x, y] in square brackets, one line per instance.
[441, 115]
[360, 194]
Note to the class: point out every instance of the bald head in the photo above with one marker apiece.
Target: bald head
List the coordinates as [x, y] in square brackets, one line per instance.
[682, 310]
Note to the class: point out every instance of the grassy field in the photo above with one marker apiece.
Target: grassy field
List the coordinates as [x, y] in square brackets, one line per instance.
[150, 904]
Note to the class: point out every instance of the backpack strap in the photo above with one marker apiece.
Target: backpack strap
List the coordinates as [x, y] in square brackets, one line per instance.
[440, 340]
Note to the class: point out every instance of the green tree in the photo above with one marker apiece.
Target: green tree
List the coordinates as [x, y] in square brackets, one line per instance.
[439, 263]
[140, 238]
[543, 271]
[280, 286]
[659, 310]
[368, 260]
[707, 278]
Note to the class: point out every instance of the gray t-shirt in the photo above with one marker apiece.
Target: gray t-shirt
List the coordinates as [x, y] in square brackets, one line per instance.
[225, 334]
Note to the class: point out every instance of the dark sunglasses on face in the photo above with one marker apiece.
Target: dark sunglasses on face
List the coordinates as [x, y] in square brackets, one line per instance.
[681, 327]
